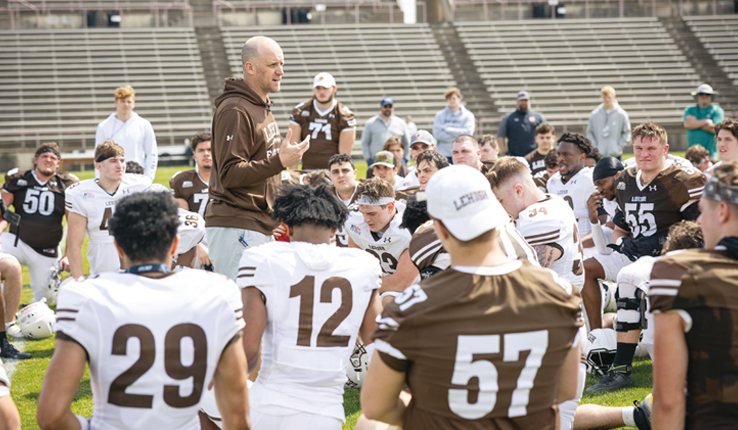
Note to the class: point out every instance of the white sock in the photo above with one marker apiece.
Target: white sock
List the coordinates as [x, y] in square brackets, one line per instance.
[628, 419]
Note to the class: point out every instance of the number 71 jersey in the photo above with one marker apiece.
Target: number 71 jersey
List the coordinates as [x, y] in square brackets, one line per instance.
[316, 299]
[153, 344]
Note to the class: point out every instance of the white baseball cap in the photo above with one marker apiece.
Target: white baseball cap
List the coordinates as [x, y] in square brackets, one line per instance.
[324, 79]
[461, 197]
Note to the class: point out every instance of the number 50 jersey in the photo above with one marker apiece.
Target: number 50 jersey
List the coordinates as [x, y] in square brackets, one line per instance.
[153, 344]
[316, 298]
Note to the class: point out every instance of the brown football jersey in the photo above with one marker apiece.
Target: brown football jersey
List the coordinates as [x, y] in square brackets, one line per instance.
[541, 180]
[702, 285]
[536, 161]
[41, 207]
[305, 177]
[482, 347]
[650, 209]
[324, 128]
[405, 193]
[190, 187]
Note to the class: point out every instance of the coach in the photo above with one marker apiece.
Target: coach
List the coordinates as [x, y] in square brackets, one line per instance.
[248, 155]
[519, 127]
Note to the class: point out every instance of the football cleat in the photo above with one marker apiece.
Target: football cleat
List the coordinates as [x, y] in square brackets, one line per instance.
[617, 378]
[7, 350]
[642, 413]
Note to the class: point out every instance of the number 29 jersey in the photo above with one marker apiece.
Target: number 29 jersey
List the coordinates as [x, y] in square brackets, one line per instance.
[650, 209]
[153, 344]
[481, 344]
[316, 298]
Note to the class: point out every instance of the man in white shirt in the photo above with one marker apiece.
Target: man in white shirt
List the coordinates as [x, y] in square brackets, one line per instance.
[135, 134]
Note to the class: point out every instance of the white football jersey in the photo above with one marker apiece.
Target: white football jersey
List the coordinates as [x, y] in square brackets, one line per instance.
[388, 248]
[191, 230]
[88, 199]
[575, 191]
[316, 298]
[551, 222]
[153, 344]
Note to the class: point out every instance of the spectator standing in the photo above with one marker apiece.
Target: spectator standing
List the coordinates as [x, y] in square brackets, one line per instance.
[133, 133]
[519, 127]
[700, 120]
[248, 156]
[381, 127]
[330, 124]
[609, 126]
[452, 121]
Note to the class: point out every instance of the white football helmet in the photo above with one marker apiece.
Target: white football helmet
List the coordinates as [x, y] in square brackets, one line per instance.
[357, 366]
[36, 320]
[607, 289]
[600, 347]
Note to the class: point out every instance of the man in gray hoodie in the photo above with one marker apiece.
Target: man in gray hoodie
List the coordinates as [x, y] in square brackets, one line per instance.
[609, 126]
[452, 121]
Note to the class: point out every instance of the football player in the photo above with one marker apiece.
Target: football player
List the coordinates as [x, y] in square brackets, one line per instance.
[90, 205]
[379, 233]
[693, 297]
[329, 123]
[185, 336]
[651, 197]
[455, 325]
[465, 150]
[304, 303]
[489, 148]
[726, 140]
[552, 166]
[573, 182]
[385, 167]
[545, 142]
[601, 205]
[37, 195]
[11, 275]
[190, 188]
[342, 172]
[9, 415]
[422, 141]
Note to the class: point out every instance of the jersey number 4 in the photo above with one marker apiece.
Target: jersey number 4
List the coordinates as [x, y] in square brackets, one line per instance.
[642, 222]
[305, 290]
[172, 365]
[484, 371]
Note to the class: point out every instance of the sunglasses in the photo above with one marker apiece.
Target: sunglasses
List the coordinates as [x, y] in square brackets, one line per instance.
[387, 107]
[704, 94]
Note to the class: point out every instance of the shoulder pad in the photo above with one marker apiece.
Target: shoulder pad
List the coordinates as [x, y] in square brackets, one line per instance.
[12, 171]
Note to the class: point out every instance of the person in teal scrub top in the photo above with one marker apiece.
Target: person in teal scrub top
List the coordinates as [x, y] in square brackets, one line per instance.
[700, 120]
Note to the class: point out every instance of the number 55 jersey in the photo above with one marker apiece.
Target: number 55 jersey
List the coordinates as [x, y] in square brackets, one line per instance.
[482, 347]
[316, 297]
[152, 344]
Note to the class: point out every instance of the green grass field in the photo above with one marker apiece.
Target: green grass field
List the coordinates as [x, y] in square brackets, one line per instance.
[27, 375]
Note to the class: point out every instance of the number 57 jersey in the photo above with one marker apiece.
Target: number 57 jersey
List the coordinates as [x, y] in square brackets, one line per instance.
[152, 344]
[481, 344]
[316, 299]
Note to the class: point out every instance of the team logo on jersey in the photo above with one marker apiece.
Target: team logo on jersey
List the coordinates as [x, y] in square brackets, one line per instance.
[52, 183]
[187, 184]
[86, 196]
[652, 188]
[305, 113]
[229, 138]
[355, 229]
[387, 239]
[532, 119]
[330, 115]
[621, 186]
[22, 182]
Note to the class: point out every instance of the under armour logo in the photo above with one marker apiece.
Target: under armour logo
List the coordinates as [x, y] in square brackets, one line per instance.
[652, 188]
[229, 138]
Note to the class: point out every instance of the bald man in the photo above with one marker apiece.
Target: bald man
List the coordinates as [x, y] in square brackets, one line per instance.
[248, 155]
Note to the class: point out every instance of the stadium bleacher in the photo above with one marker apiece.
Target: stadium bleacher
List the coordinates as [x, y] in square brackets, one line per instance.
[564, 63]
[719, 34]
[369, 61]
[58, 85]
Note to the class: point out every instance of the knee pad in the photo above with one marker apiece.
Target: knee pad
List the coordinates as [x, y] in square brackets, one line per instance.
[631, 304]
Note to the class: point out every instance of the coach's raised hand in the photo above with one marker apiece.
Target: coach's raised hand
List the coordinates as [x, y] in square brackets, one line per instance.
[291, 152]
